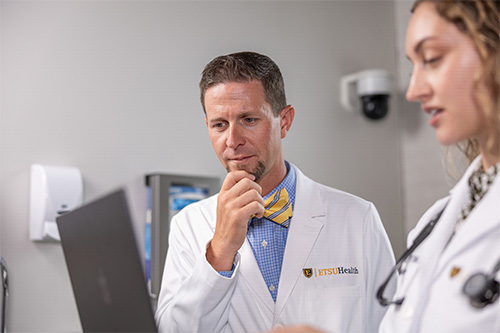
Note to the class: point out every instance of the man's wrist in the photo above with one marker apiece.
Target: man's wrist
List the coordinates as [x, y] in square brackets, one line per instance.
[220, 263]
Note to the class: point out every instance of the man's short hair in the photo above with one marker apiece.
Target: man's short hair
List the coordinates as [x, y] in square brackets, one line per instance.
[246, 67]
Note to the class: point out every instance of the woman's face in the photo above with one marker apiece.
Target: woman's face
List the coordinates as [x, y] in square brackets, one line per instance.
[445, 63]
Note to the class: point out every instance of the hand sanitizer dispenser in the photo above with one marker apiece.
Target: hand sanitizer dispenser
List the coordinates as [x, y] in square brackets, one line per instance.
[54, 190]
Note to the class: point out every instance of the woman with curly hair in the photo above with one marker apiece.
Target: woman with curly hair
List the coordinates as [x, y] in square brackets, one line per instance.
[449, 282]
[448, 277]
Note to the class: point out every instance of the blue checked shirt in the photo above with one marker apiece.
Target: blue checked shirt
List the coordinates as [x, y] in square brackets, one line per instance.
[268, 239]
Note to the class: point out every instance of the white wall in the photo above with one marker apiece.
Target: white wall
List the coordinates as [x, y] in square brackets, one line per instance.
[111, 87]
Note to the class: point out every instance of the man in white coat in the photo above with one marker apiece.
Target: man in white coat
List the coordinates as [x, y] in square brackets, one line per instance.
[273, 248]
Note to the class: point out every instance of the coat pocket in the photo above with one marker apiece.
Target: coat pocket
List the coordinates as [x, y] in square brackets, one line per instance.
[339, 309]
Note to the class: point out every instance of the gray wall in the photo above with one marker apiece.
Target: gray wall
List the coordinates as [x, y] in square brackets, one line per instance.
[111, 87]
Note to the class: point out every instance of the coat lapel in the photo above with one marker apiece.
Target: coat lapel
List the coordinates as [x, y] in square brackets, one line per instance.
[482, 219]
[307, 222]
[430, 255]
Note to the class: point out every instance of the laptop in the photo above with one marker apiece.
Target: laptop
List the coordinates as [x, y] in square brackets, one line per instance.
[105, 268]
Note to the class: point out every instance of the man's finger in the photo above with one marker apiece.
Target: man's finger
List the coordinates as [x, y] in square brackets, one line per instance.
[243, 186]
[252, 199]
[234, 177]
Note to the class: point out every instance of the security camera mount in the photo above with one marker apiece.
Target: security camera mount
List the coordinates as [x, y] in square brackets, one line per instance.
[372, 87]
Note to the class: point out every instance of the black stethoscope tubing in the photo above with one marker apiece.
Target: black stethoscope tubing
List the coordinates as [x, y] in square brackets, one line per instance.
[481, 289]
[420, 238]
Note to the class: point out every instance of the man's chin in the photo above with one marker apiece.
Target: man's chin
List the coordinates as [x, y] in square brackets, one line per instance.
[238, 167]
[257, 170]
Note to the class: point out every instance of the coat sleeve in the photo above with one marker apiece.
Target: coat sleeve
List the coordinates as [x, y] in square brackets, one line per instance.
[378, 261]
[193, 296]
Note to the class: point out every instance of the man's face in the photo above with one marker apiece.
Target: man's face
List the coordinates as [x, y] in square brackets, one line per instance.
[243, 130]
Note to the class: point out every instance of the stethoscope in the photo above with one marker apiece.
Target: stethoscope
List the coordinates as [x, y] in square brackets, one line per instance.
[481, 289]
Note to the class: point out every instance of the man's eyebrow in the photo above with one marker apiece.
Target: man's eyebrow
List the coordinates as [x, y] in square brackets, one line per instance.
[247, 115]
[217, 119]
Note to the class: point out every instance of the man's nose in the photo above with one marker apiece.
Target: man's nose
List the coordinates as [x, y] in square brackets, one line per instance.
[235, 137]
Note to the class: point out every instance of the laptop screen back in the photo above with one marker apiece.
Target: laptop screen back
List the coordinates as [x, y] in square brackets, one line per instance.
[105, 267]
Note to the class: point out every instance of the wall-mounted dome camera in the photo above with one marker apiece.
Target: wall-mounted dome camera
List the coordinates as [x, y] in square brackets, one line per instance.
[372, 87]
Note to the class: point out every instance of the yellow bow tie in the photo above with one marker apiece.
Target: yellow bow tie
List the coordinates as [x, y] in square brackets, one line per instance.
[278, 208]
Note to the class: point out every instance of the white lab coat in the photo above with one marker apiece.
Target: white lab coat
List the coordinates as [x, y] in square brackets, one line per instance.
[434, 301]
[329, 229]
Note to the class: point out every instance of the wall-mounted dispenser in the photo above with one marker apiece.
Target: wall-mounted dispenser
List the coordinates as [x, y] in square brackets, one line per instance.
[373, 88]
[54, 190]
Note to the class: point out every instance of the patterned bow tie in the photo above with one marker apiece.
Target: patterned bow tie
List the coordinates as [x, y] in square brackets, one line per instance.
[278, 208]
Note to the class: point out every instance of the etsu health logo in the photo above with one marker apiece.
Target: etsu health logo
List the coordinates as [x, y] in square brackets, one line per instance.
[320, 272]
